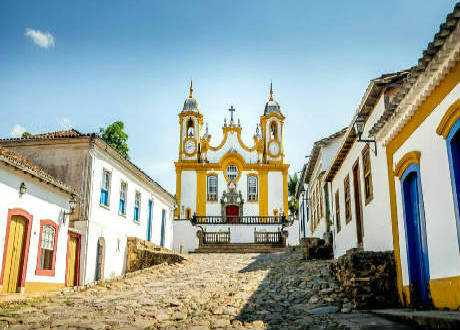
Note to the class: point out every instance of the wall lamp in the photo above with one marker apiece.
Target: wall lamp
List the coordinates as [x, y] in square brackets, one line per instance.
[359, 123]
[72, 205]
[22, 189]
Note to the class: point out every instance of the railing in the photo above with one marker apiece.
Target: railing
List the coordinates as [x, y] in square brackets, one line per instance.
[237, 220]
[267, 237]
[221, 237]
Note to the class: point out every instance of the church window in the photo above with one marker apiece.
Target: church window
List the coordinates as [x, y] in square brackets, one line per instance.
[190, 128]
[122, 205]
[252, 188]
[232, 172]
[212, 187]
[337, 211]
[105, 188]
[346, 188]
[368, 189]
[188, 213]
[274, 130]
[47, 248]
[137, 205]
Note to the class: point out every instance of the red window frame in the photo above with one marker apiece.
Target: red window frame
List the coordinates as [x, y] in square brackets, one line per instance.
[38, 270]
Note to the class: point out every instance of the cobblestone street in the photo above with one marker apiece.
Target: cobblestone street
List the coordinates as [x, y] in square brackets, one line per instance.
[206, 291]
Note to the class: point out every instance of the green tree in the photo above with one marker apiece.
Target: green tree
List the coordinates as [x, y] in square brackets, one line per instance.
[292, 185]
[116, 137]
[25, 134]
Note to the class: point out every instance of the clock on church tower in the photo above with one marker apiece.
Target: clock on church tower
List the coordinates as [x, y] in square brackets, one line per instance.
[191, 121]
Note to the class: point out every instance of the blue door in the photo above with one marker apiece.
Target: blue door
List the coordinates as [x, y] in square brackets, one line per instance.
[163, 219]
[417, 252]
[453, 148]
[149, 223]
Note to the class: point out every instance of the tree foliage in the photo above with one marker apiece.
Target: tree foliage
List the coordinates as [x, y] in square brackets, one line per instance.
[292, 185]
[116, 137]
[25, 134]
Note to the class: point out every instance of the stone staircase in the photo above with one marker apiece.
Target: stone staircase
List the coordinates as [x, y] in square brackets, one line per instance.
[240, 248]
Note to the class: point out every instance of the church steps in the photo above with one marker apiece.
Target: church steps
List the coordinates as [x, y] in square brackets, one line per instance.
[240, 248]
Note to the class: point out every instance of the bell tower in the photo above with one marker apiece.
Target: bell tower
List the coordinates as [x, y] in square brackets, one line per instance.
[272, 123]
[191, 122]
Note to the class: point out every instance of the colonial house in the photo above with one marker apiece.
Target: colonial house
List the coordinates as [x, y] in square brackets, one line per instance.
[317, 193]
[117, 199]
[357, 192]
[301, 194]
[420, 133]
[38, 248]
[230, 187]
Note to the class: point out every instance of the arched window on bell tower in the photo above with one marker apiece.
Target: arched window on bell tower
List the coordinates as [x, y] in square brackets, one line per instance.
[273, 130]
[190, 128]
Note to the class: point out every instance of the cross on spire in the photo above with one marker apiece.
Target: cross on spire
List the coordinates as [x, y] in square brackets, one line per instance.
[232, 109]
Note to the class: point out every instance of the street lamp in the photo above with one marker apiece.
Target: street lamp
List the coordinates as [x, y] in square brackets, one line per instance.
[22, 189]
[358, 125]
[72, 206]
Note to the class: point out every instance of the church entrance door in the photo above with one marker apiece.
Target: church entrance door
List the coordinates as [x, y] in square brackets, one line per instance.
[233, 212]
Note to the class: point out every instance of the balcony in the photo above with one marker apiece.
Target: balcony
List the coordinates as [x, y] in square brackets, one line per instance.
[239, 220]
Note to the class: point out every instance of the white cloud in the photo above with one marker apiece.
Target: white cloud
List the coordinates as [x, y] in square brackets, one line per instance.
[17, 131]
[41, 39]
[65, 123]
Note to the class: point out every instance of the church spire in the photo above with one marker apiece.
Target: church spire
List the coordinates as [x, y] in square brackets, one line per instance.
[191, 88]
[271, 91]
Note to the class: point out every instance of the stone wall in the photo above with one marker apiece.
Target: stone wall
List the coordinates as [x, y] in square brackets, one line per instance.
[317, 248]
[368, 278]
[142, 254]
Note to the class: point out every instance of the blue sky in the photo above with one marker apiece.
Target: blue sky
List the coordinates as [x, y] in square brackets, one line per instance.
[132, 61]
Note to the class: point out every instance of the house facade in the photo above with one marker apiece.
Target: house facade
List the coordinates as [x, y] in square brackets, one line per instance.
[38, 247]
[358, 192]
[117, 200]
[420, 130]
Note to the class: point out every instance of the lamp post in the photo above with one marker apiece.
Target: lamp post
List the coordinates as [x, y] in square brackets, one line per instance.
[358, 125]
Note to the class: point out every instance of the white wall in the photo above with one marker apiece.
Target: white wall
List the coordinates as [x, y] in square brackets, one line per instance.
[43, 202]
[375, 215]
[188, 191]
[106, 222]
[275, 192]
[443, 249]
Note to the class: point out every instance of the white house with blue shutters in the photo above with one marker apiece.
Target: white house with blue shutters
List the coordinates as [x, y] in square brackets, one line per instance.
[118, 200]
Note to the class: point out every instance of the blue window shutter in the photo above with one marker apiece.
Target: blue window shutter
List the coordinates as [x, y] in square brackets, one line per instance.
[104, 197]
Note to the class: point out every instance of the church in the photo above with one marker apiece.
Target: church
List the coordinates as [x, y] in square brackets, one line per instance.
[226, 182]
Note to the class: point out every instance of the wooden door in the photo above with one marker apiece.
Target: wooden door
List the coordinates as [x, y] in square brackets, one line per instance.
[72, 255]
[100, 260]
[232, 211]
[14, 254]
[358, 209]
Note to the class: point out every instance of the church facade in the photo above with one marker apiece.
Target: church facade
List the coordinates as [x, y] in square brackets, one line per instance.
[227, 181]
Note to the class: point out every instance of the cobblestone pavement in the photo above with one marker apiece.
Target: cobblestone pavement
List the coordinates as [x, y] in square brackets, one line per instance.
[206, 291]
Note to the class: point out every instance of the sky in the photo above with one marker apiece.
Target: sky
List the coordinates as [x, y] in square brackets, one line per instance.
[85, 64]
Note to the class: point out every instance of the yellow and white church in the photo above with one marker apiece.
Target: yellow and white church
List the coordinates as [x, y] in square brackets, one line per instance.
[229, 182]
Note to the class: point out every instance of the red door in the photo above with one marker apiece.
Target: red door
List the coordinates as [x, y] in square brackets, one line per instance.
[232, 211]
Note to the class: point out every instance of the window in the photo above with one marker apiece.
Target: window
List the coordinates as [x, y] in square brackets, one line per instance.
[137, 205]
[212, 187]
[368, 190]
[232, 172]
[337, 211]
[105, 188]
[252, 188]
[190, 128]
[273, 130]
[47, 248]
[346, 188]
[122, 206]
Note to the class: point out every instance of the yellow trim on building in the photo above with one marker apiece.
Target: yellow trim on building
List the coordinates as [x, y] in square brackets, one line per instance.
[178, 190]
[201, 193]
[448, 120]
[263, 193]
[35, 287]
[285, 193]
[412, 157]
[445, 292]
[424, 110]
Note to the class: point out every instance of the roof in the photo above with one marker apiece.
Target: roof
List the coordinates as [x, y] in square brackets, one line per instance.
[315, 152]
[368, 102]
[74, 134]
[21, 163]
[300, 188]
[445, 29]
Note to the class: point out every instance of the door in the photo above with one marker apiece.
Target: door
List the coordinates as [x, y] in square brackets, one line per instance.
[417, 256]
[100, 259]
[453, 148]
[358, 209]
[163, 220]
[72, 261]
[14, 254]
[149, 223]
[232, 211]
